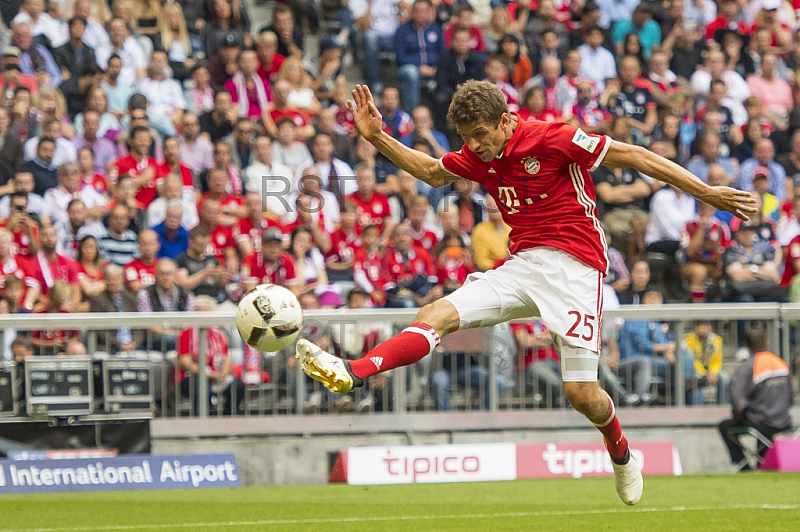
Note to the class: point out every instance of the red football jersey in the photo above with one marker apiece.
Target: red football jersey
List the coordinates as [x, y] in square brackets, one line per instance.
[185, 172]
[371, 211]
[453, 270]
[83, 272]
[718, 238]
[216, 348]
[245, 230]
[792, 254]
[396, 270]
[300, 119]
[128, 165]
[344, 246]
[44, 273]
[96, 181]
[21, 247]
[282, 274]
[230, 201]
[221, 238]
[367, 270]
[12, 268]
[426, 237]
[136, 270]
[542, 184]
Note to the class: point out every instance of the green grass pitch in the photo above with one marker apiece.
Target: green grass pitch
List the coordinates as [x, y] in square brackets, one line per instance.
[746, 502]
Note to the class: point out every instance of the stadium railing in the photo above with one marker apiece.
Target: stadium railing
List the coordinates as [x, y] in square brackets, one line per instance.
[472, 370]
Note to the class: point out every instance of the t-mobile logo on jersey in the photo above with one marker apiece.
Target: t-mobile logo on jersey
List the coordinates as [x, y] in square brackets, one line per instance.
[508, 197]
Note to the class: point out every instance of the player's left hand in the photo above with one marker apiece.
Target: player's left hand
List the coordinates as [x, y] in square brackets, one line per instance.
[732, 200]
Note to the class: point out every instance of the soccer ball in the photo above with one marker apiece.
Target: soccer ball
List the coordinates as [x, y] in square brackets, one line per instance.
[269, 318]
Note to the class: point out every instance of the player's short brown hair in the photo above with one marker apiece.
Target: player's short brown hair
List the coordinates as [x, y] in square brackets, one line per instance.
[477, 101]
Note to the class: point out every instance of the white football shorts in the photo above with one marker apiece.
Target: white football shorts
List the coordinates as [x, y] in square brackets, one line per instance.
[541, 282]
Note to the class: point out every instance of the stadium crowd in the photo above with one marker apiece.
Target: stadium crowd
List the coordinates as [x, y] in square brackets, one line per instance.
[153, 154]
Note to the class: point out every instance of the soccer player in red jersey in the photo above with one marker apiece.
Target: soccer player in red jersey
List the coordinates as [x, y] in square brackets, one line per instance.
[538, 173]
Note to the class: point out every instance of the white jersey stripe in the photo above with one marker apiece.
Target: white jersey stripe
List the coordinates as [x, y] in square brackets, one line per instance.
[602, 155]
[589, 206]
[592, 212]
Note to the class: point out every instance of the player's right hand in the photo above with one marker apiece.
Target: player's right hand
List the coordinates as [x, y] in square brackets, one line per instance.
[367, 117]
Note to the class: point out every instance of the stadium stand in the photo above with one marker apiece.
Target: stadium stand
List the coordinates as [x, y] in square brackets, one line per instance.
[122, 118]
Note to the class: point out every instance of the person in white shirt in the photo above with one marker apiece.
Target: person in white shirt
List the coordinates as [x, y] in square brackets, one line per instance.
[597, 63]
[670, 209]
[335, 175]
[271, 180]
[23, 182]
[288, 151]
[378, 18]
[95, 35]
[65, 151]
[173, 191]
[127, 48]
[70, 187]
[715, 68]
[703, 12]
[319, 205]
[165, 100]
[42, 24]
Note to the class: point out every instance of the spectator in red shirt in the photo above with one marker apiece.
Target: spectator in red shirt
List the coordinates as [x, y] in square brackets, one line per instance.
[90, 267]
[139, 165]
[269, 60]
[9, 265]
[232, 207]
[141, 272]
[704, 239]
[780, 34]
[533, 107]
[367, 265]
[89, 177]
[345, 244]
[281, 109]
[454, 259]
[52, 341]
[47, 267]
[248, 230]
[408, 272]
[221, 381]
[726, 19]
[22, 226]
[423, 235]
[462, 18]
[372, 208]
[272, 265]
[223, 243]
[540, 360]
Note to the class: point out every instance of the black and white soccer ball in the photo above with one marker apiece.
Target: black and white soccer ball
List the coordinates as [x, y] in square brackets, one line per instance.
[269, 318]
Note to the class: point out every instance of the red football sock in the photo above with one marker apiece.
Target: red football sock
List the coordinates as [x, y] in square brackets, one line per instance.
[615, 441]
[414, 343]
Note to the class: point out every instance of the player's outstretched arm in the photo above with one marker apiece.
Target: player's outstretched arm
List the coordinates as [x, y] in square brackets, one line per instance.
[369, 123]
[621, 155]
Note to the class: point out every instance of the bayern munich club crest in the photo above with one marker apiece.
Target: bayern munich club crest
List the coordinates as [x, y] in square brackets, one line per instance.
[531, 165]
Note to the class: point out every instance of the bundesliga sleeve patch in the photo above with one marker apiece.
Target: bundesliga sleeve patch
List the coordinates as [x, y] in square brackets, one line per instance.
[585, 141]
